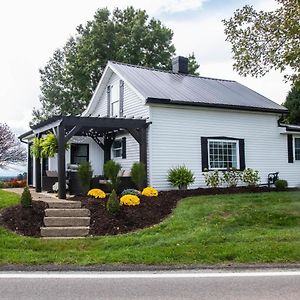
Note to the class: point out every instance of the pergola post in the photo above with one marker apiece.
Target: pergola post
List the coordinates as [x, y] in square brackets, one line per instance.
[143, 149]
[108, 141]
[38, 173]
[61, 162]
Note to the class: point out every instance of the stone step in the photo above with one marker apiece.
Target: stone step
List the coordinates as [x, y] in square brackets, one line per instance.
[64, 231]
[66, 221]
[67, 212]
[64, 204]
[62, 237]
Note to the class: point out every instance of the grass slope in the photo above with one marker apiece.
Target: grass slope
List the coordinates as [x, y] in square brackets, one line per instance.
[242, 228]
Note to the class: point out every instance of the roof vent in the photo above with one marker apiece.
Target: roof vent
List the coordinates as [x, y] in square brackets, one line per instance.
[180, 65]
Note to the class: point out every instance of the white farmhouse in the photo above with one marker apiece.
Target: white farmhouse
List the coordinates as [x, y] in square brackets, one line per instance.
[165, 119]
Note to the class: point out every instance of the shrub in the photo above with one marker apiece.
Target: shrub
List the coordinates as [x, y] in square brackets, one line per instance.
[281, 184]
[130, 192]
[130, 200]
[212, 179]
[111, 171]
[26, 199]
[150, 192]
[96, 193]
[231, 177]
[2, 185]
[113, 203]
[138, 174]
[181, 177]
[85, 174]
[250, 177]
[14, 183]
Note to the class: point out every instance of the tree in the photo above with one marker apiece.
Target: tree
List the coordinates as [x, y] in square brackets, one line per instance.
[70, 77]
[292, 103]
[11, 150]
[265, 40]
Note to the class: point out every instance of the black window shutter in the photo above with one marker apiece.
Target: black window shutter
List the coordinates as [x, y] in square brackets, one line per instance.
[121, 98]
[242, 154]
[124, 147]
[290, 148]
[108, 100]
[204, 153]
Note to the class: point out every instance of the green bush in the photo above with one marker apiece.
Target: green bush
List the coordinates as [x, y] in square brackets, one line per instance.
[26, 199]
[213, 178]
[130, 192]
[2, 185]
[113, 203]
[138, 175]
[181, 177]
[281, 184]
[250, 177]
[232, 177]
[111, 171]
[85, 174]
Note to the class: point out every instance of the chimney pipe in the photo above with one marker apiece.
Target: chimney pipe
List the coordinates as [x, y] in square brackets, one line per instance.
[180, 65]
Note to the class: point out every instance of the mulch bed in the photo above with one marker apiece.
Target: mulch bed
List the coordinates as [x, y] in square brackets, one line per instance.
[25, 221]
[151, 211]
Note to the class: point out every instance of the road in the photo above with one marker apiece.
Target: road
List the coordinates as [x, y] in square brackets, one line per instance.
[150, 285]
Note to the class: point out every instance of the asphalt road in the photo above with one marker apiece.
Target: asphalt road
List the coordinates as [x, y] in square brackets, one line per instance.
[149, 285]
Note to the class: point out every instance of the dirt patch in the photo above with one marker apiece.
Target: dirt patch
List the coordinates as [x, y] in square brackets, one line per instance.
[151, 211]
[25, 221]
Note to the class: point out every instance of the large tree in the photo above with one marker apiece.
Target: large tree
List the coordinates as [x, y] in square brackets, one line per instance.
[71, 75]
[11, 150]
[292, 103]
[265, 40]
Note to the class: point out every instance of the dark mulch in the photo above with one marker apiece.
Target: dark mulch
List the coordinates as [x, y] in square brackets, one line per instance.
[25, 221]
[151, 210]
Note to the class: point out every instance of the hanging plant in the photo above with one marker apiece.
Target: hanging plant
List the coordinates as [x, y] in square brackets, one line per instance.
[49, 145]
[36, 148]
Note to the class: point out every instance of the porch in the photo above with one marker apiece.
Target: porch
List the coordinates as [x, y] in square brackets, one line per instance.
[102, 130]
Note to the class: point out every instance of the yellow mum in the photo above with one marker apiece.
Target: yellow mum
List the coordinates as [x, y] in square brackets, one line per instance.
[130, 200]
[96, 193]
[150, 192]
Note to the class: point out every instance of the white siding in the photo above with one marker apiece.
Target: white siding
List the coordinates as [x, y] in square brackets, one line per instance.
[134, 106]
[132, 154]
[96, 156]
[175, 134]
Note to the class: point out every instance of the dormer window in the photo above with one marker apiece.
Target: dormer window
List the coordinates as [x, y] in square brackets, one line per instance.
[115, 100]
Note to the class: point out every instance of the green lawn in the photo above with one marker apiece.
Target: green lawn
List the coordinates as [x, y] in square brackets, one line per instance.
[243, 228]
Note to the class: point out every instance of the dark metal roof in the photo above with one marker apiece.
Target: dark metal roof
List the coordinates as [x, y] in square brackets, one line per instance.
[167, 87]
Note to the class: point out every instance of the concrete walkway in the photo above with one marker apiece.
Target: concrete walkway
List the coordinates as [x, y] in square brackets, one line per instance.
[43, 196]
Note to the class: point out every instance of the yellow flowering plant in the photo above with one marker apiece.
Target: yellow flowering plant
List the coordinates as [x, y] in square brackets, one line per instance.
[96, 193]
[150, 192]
[130, 200]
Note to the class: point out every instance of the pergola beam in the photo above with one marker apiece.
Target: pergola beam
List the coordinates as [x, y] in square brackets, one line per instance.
[61, 162]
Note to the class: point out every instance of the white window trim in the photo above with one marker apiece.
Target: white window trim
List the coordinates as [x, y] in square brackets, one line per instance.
[226, 141]
[294, 148]
[113, 150]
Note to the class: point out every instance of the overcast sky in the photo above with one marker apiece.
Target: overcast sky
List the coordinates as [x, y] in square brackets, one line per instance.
[31, 30]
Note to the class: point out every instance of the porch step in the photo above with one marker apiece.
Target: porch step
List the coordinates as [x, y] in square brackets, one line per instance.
[64, 204]
[67, 212]
[68, 232]
[66, 221]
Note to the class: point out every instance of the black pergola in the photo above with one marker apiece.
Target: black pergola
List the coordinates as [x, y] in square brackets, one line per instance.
[102, 130]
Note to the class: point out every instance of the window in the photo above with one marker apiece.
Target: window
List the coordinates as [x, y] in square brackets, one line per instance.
[117, 148]
[297, 148]
[79, 153]
[115, 100]
[223, 154]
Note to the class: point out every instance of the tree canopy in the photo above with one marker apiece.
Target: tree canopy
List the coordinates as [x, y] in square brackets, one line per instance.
[292, 103]
[265, 40]
[11, 150]
[72, 74]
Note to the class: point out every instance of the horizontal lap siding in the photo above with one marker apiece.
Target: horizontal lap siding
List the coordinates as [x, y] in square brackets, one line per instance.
[176, 133]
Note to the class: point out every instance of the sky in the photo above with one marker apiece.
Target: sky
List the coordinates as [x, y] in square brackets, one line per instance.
[32, 30]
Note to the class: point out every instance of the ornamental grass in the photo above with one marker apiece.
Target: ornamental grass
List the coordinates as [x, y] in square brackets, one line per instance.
[96, 193]
[150, 192]
[130, 200]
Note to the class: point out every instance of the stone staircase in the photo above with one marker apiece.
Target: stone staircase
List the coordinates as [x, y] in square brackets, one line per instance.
[65, 220]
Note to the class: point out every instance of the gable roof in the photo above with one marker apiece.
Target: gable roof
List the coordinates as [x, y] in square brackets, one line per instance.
[158, 86]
